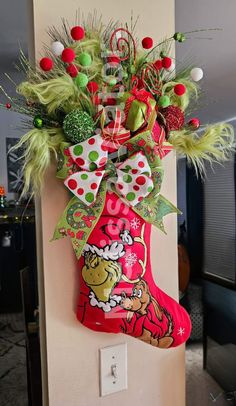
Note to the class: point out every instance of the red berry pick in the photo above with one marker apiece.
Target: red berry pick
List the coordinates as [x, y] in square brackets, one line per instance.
[147, 42]
[77, 33]
[166, 62]
[179, 89]
[72, 70]
[158, 64]
[194, 123]
[68, 55]
[92, 87]
[46, 64]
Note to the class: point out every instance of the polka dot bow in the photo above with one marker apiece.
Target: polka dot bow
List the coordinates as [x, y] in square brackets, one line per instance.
[131, 178]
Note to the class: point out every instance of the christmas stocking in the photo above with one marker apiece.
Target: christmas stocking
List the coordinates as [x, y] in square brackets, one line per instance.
[108, 220]
[117, 290]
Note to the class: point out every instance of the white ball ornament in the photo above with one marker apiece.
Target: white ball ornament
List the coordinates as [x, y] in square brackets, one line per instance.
[57, 48]
[196, 74]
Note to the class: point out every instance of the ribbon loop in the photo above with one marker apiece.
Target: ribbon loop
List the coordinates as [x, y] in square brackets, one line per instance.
[90, 154]
[85, 185]
[91, 157]
[134, 180]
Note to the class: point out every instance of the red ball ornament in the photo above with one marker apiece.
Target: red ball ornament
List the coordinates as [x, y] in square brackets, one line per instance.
[179, 89]
[92, 87]
[147, 42]
[68, 55]
[8, 105]
[158, 64]
[72, 70]
[166, 62]
[46, 64]
[77, 33]
[194, 123]
[174, 118]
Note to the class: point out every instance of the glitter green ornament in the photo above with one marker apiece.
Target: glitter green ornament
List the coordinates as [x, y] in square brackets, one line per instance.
[85, 59]
[78, 126]
[81, 80]
[164, 101]
[38, 122]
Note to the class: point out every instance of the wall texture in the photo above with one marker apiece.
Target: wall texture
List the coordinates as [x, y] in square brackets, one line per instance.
[155, 377]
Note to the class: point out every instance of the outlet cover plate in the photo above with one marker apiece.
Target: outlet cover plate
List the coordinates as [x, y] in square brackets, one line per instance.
[113, 369]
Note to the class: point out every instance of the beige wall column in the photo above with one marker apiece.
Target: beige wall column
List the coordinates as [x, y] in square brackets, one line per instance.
[155, 377]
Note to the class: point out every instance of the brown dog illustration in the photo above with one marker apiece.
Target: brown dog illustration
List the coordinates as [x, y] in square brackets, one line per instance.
[143, 326]
[101, 275]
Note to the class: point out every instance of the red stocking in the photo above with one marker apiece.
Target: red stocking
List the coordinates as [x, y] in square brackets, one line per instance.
[117, 290]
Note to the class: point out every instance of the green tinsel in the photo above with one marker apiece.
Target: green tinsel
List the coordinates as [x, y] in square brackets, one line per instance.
[78, 126]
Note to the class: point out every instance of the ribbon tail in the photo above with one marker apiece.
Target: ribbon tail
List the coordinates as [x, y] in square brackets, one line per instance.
[64, 161]
[155, 206]
[154, 215]
[72, 223]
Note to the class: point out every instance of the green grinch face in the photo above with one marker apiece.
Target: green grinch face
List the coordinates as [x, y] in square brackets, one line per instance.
[100, 275]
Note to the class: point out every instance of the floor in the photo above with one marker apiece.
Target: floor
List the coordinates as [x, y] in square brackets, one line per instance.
[13, 380]
[201, 389]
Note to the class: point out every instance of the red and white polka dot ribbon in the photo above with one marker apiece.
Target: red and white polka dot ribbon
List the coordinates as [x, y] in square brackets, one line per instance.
[132, 179]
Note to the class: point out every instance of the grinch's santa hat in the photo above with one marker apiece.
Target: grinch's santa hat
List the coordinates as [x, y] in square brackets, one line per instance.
[113, 235]
[113, 251]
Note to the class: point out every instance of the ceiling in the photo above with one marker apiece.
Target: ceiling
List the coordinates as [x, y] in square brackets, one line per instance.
[216, 56]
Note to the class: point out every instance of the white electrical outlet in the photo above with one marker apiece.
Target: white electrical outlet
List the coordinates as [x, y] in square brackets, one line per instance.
[113, 369]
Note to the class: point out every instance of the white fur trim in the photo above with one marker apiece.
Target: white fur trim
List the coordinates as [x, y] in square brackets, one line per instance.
[113, 251]
[105, 306]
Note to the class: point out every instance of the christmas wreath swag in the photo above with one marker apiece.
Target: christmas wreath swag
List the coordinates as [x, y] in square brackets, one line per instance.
[110, 112]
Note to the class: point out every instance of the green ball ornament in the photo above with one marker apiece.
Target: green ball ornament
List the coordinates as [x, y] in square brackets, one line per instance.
[78, 126]
[164, 101]
[81, 80]
[85, 59]
[38, 122]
